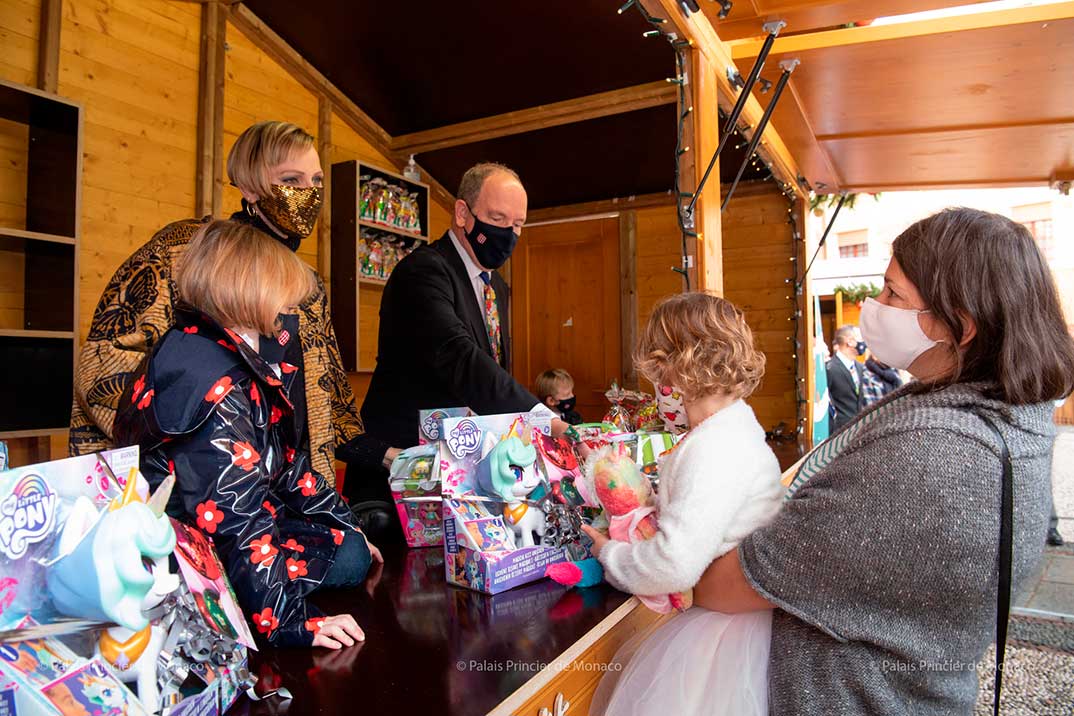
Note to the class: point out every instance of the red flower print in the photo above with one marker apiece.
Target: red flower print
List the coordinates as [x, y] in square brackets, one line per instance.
[171, 467]
[146, 399]
[139, 386]
[269, 508]
[337, 535]
[220, 388]
[244, 455]
[190, 329]
[294, 546]
[275, 414]
[289, 454]
[255, 394]
[287, 367]
[265, 622]
[308, 484]
[296, 568]
[314, 625]
[272, 381]
[227, 345]
[209, 517]
[262, 551]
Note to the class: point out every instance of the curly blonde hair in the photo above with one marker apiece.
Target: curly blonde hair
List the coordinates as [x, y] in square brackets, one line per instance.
[701, 344]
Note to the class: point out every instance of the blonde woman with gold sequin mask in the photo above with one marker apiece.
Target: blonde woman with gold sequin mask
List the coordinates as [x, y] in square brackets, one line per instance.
[276, 168]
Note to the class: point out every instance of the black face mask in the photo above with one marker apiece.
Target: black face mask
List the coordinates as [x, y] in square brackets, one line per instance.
[566, 406]
[492, 244]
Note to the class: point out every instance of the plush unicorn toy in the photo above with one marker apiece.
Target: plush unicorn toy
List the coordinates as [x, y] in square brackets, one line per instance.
[627, 498]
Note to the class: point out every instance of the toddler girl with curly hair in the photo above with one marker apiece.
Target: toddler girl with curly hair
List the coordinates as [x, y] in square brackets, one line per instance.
[719, 483]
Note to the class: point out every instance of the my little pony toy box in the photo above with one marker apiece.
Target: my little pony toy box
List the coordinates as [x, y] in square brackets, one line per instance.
[492, 487]
[84, 555]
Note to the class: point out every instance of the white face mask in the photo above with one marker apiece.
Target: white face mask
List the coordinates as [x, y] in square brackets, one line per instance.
[893, 334]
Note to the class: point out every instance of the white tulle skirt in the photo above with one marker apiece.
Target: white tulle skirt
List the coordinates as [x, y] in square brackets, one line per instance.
[697, 663]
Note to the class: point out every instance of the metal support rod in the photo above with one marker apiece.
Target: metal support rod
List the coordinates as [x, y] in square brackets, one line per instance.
[788, 67]
[740, 104]
[823, 238]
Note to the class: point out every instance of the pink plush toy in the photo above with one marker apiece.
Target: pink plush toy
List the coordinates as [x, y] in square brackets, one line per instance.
[627, 497]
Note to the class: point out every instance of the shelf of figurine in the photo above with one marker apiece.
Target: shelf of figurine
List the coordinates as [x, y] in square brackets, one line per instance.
[379, 253]
[385, 204]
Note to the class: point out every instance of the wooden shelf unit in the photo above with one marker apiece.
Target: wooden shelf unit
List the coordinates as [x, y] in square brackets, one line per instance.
[39, 320]
[356, 297]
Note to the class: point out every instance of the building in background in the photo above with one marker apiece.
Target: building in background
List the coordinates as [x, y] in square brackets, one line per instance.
[858, 247]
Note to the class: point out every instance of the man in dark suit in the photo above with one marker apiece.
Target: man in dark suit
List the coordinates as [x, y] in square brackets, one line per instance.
[845, 378]
[444, 333]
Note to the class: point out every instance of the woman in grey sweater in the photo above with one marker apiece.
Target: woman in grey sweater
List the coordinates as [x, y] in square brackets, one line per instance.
[883, 565]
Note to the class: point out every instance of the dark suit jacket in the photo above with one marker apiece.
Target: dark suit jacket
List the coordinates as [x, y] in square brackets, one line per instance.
[846, 402]
[434, 350]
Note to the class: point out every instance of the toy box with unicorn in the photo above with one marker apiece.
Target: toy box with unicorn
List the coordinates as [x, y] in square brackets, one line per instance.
[84, 555]
[494, 490]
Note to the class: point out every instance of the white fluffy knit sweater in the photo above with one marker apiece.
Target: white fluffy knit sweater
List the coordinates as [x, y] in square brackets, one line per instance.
[718, 485]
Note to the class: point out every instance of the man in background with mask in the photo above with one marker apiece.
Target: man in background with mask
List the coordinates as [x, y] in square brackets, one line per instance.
[845, 377]
[444, 330]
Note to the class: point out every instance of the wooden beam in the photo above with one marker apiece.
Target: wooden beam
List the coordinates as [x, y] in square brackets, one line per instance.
[209, 190]
[48, 46]
[708, 246]
[628, 99]
[311, 78]
[589, 209]
[628, 294]
[743, 49]
[1058, 121]
[699, 31]
[324, 227]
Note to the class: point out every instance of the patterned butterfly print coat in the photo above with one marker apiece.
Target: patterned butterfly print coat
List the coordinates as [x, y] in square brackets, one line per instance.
[205, 405]
[138, 307]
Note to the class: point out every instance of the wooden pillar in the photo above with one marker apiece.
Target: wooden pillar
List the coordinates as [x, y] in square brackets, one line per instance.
[707, 223]
[838, 310]
[628, 294]
[48, 46]
[806, 326]
[209, 190]
[324, 228]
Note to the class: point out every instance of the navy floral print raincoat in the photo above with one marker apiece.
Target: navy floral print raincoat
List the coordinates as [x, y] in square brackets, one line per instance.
[207, 406]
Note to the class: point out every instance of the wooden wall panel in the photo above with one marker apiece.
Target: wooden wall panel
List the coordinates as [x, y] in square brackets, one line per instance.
[757, 248]
[257, 88]
[134, 66]
[756, 262]
[20, 22]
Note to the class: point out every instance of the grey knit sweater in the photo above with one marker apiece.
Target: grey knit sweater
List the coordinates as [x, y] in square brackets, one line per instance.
[884, 565]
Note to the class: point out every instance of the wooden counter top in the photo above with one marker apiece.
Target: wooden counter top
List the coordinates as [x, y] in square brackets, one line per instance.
[432, 648]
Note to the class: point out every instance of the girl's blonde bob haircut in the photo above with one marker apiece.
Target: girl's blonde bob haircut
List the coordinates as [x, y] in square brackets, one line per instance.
[261, 147]
[241, 277]
[701, 344]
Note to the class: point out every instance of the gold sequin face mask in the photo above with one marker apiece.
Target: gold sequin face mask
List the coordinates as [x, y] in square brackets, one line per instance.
[294, 210]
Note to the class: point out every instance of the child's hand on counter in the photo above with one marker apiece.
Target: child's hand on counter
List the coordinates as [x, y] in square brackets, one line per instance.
[338, 631]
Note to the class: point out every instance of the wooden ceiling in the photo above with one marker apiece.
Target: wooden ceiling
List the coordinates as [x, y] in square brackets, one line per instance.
[572, 95]
[748, 16]
[981, 99]
[439, 77]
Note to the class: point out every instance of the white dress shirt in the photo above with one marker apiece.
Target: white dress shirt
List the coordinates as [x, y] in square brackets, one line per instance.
[472, 270]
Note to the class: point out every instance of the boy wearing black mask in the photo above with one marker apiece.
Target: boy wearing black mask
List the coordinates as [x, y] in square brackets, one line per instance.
[555, 388]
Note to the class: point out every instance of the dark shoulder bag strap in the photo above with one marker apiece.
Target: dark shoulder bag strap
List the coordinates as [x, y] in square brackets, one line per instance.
[1003, 597]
